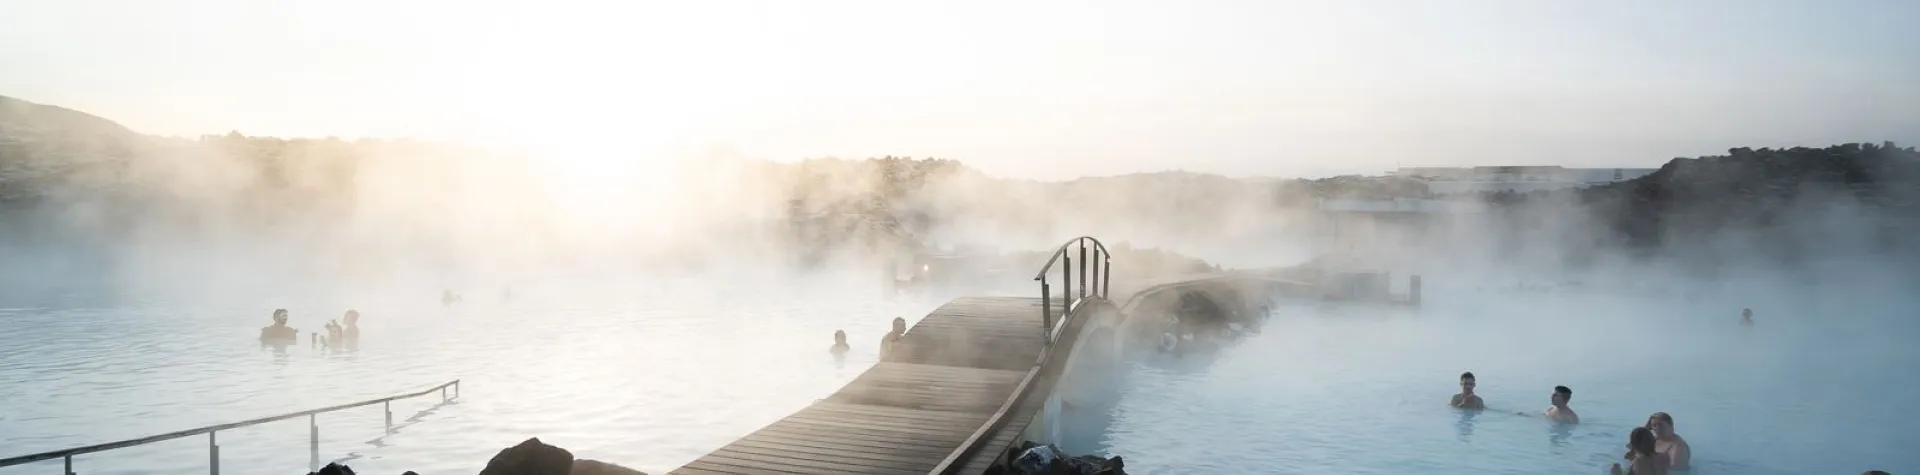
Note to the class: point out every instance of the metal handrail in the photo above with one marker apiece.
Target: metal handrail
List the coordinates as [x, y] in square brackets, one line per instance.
[1102, 278]
[1045, 370]
[213, 447]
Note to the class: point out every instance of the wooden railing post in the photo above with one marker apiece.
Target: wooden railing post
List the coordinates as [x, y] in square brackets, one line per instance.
[69, 468]
[388, 407]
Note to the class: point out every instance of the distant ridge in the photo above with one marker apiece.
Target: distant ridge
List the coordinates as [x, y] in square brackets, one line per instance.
[54, 152]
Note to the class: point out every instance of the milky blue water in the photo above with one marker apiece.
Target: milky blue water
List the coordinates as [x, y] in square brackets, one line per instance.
[1822, 385]
[654, 373]
[646, 373]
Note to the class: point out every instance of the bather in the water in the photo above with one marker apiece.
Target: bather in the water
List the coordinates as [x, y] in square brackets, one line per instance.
[839, 347]
[279, 335]
[1559, 412]
[893, 336]
[1467, 399]
[1640, 450]
[448, 298]
[344, 337]
[1746, 316]
[1666, 442]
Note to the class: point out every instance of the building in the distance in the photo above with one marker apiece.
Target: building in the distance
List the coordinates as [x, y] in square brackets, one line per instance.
[1445, 180]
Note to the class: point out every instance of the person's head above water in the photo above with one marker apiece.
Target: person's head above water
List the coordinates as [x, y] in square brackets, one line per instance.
[1641, 441]
[1561, 395]
[840, 337]
[1661, 424]
[899, 325]
[1746, 313]
[352, 317]
[1467, 383]
[279, 316]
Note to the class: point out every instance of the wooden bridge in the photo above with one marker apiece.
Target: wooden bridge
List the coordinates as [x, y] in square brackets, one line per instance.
[961, 387]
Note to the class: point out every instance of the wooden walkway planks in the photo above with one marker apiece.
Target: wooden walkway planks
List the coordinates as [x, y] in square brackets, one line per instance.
[977, 332]
[948, 375]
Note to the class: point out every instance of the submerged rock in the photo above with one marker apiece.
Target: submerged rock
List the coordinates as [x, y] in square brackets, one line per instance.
[531, 457]
[333, 469]
[596, 467]
[534, 457]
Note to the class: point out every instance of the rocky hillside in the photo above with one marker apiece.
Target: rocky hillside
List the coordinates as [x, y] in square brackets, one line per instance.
[1790, 197]
[48, 152]
[44, 147]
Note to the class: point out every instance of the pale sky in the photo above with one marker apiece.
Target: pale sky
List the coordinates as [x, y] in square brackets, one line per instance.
[1041, 89]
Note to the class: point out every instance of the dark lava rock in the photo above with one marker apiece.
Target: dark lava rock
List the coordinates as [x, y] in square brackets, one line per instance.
[530, 458]
[596, 467]
[1047, 459]
[333, 469]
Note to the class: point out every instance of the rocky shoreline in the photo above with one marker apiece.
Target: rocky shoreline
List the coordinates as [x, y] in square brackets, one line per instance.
[531, 457]
[1033, 458]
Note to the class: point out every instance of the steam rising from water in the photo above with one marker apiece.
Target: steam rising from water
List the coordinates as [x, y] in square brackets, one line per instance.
[206, 229]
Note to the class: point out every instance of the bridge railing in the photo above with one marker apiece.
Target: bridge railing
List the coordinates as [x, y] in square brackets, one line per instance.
[1101, 265]
[213, 445]
[1096, 269]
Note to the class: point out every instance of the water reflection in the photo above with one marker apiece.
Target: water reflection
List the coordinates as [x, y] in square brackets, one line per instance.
[1558, 433]
[1465, 426]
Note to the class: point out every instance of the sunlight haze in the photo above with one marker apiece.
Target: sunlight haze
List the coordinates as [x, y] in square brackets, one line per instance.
[1047, 90]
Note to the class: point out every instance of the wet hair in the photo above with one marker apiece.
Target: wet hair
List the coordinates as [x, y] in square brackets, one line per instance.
[1466, 375]
[1641, 441]
[279, 313]
[901, 321]
[1663, 417]
[1563, 391]
[839, 335]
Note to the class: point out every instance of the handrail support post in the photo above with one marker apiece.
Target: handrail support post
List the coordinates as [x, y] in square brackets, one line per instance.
[213, 454]
[1083, 268]
[1067, 280]
[1046, 308]
[1106, 286]
[313, 442]
[213, 437]
[1097, 254]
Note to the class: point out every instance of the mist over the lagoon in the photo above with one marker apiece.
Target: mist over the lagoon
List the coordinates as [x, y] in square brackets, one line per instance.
[220, 216]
